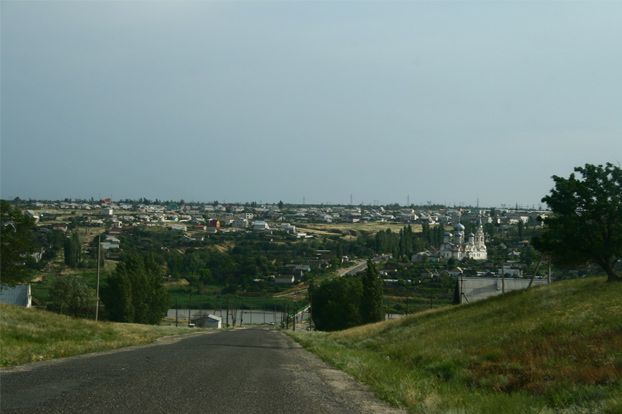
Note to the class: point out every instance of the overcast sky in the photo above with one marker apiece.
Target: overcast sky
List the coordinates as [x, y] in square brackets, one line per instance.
[314, 101]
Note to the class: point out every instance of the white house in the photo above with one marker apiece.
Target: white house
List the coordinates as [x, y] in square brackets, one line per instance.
[240, 223]
[287, 227]
[260, 226]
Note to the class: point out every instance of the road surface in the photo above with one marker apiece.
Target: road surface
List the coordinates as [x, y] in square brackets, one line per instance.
[252, 370]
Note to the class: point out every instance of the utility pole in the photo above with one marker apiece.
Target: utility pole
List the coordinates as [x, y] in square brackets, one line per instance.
[294, 321]
[227, 312]
[503, 276]
[97, 289]
[189, 307]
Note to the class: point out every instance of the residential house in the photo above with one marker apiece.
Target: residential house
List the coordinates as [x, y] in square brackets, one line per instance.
[240, 223]
[213, 223]
[61, 226]
[284, 280]
[260, 226]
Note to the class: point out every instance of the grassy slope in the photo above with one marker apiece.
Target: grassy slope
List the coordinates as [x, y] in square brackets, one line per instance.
[28, 335]
[556, 348]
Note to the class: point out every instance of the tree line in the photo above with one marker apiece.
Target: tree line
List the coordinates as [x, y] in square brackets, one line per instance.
[349, 301]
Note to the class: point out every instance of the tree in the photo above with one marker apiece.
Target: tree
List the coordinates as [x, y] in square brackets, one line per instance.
[135, 291]
[16, 244]
[336, 304]
[586, 220]
[73, 250]
[371, 302]
[72, 293]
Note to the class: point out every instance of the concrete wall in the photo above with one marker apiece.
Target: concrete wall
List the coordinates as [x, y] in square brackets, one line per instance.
[475, 288]
[16, 295]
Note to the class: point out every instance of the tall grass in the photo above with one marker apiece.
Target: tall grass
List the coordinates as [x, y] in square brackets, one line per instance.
[29, 335]
[555, 348]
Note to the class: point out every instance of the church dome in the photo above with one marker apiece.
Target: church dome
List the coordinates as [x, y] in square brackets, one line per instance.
[459, 227]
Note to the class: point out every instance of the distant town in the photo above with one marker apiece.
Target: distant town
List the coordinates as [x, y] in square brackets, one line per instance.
[268, 250]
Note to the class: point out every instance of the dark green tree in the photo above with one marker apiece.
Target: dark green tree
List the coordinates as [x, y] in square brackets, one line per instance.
[336, 304]
[371, 301]
[586, 220]
[135, 291]
[16, 243]
[73, 250]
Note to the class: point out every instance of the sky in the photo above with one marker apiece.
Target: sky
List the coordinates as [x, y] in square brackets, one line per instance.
[465, 103]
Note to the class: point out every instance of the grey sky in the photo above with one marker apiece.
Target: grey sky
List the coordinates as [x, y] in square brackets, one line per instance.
[448, 102]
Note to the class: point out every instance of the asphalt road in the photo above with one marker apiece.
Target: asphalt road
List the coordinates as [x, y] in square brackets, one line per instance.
[252, 370]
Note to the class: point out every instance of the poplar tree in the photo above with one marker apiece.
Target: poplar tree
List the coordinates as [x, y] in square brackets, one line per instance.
[371, 303]
[135, 292]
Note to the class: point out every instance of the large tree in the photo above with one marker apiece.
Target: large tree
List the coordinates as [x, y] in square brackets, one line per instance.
[135, 291]
[586, 220]
[336, 304]
[16, 243]
[72, 294]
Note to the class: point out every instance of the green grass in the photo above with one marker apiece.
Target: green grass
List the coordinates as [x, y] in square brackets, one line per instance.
[555, 348]
[29, 335]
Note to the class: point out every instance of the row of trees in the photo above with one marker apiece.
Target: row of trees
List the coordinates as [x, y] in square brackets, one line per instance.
[135, 292]
[406, 242]
[345, 302]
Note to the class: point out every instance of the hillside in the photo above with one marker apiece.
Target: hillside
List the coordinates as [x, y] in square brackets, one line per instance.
[30, 335]
[556, 348]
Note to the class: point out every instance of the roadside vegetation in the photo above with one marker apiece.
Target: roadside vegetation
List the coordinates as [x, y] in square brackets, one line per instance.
[31, 335]
[556, 348]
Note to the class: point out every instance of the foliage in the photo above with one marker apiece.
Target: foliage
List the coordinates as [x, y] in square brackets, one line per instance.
[371, 301]
[586, 221]
[72, 293]
[16, 242]
[335, 304]
[406, 242]
[135, 291]
[73, 250]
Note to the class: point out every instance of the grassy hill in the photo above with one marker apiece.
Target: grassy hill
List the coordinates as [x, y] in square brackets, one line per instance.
[555, 348]
[29, 335]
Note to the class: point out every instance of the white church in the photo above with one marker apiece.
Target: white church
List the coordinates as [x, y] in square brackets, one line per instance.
[455, 246]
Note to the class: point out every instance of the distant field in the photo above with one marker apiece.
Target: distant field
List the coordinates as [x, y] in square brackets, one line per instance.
[353, 230]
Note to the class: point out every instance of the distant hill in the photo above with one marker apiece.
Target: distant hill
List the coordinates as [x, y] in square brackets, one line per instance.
[555, 348]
